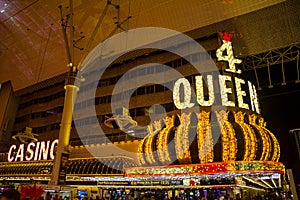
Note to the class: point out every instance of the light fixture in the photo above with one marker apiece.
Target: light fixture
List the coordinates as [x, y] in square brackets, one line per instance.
[25, 137]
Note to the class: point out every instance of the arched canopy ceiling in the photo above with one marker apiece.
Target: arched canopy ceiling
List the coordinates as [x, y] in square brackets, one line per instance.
[32, 46]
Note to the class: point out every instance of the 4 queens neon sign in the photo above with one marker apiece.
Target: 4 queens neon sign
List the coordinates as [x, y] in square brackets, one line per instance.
[233, 90]
[44, 150]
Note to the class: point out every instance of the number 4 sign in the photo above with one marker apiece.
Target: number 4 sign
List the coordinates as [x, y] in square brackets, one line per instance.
[229, 57]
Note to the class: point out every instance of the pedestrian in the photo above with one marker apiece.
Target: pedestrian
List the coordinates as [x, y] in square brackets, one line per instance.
[10, 194]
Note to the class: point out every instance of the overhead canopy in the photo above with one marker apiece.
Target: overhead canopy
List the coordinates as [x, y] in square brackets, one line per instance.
[90, 166]
[32, 47]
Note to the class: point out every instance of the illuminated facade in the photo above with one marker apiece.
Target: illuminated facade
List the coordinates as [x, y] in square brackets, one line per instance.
[238, 141]
[220, 134]
[229, 139]
[220, 140]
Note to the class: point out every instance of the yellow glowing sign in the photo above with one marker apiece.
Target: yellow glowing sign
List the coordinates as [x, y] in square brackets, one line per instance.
[229, 57]
[43, 150]
[253, 98]
[234, 91]
[231, 93]
[240, 93]
[225, 91]
[200, 91]
[187, 96]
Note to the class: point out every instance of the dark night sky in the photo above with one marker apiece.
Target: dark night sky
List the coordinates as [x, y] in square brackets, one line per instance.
[280, 106]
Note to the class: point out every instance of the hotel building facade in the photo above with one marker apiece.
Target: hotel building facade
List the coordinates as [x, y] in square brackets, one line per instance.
[244, 155]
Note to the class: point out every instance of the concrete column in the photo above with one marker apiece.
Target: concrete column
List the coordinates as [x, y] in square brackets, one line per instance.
[62, 151]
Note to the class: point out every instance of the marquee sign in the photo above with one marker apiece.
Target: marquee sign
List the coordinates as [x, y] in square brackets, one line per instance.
[234, 91]
[228, 87]
[143, 183]
[43, 150]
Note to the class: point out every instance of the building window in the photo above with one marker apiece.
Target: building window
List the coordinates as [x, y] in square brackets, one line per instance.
[159, 88]
[150, 89]
[140, 111]
[140, 91]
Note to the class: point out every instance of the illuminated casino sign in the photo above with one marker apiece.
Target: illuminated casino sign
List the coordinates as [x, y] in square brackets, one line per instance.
[230, 134]
[234, 91]
[227, 86]
[43, 150]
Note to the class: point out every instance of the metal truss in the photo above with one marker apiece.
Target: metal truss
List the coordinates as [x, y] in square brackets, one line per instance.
[273, 57]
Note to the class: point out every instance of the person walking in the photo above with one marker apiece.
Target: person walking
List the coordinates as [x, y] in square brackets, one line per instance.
[10, 194]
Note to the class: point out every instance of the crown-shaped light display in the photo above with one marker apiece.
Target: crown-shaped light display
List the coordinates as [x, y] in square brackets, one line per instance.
[226, 36]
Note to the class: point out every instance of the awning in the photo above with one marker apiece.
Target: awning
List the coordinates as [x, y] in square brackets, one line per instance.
[80, 166]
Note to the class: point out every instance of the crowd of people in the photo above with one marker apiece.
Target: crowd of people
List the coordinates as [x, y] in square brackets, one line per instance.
[86, 198]
[10, 194]
[13, 194]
